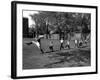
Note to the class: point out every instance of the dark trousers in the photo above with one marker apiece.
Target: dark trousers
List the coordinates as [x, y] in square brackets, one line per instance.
[51, 48]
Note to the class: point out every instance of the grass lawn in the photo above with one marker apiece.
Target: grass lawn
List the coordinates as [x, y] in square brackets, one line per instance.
[34, 59]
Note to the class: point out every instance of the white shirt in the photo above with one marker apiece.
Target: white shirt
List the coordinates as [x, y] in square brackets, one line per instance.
[61, 41]
[36, 43]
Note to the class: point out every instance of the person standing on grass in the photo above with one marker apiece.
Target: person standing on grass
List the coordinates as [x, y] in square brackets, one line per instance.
[76, 43]
[51, 46]
[68, 44]
[61, 41]
[80, 43]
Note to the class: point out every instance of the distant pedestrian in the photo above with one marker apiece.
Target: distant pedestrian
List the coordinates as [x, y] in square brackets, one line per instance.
[61, 41]
[67, 45]
[76, 43]
[51, 46]
[80, 43]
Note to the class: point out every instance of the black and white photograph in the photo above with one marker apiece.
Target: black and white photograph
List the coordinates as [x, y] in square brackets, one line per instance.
[56, 39]
[53, 39]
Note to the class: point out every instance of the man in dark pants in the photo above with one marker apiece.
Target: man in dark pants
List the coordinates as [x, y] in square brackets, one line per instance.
[51, 46]
[61, 41]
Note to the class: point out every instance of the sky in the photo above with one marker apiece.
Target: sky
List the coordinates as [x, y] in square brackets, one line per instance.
[27, 14]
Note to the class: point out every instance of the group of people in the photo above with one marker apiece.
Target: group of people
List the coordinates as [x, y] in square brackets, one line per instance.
[77, 43]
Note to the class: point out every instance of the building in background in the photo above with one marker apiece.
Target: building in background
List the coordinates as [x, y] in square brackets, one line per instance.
[25, 28]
